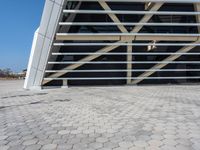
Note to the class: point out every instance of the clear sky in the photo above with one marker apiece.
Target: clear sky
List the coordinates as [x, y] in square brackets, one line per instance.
[18, 21]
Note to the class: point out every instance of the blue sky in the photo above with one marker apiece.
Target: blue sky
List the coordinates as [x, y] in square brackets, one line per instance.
[19, 20]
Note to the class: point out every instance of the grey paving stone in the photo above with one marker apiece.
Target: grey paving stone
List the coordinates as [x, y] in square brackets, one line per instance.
[152, 148]
[157, 137]
[30, 142]
[80, 146]
[28, 137]
[155, 143]
[14, 142]
[49, 147]
[129, 138]
[95, 145]
[105, 148]
[63, 132]
[101, 140]
[3, 142]
[64, 147]
[33, 147]
[185, 142]
[74, 141]
[170, 142]
[140, 143]
[88, 140]
[12, 133]
[136, 148]
[81, 135]
[4, 147]
[120, 148]
[166, 147]
[110, 145]
[59, 141]
[143, 138]
[116, 139]
[183, 147]
[45, 142]
[3, 137]
[125, 144]
[170, 136]
[54, 136]
[11, 138]
[17, 147]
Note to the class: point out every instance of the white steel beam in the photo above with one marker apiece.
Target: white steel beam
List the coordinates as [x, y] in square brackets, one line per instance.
[129, 34]
[88, 61]
[125, 44]
[134, 37]
[131, 12]
[125, 24]
[121, 78]
[135, 53]
[133, 70]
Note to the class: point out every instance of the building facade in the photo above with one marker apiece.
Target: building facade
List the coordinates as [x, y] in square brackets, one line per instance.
[116, 42]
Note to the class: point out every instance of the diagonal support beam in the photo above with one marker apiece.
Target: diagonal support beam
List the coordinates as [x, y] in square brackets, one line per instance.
[105, 6]
[148, 5]
[146, 18]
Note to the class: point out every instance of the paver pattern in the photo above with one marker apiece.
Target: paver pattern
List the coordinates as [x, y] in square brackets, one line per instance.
[100, 118]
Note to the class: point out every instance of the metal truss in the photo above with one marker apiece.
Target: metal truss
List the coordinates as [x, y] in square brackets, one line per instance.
[129, 36]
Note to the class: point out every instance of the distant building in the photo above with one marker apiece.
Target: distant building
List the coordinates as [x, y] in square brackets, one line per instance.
[22, 74]
[116, 42]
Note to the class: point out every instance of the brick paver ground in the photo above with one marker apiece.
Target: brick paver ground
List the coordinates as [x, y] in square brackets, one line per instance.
[103, 118]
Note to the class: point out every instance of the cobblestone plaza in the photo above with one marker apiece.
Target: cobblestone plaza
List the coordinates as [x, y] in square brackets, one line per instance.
[100, 118]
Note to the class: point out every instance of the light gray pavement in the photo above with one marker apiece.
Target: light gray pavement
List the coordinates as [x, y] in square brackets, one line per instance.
[103, 118]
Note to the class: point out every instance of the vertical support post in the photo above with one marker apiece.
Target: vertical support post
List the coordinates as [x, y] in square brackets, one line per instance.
[129, 65]
[65, 84]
